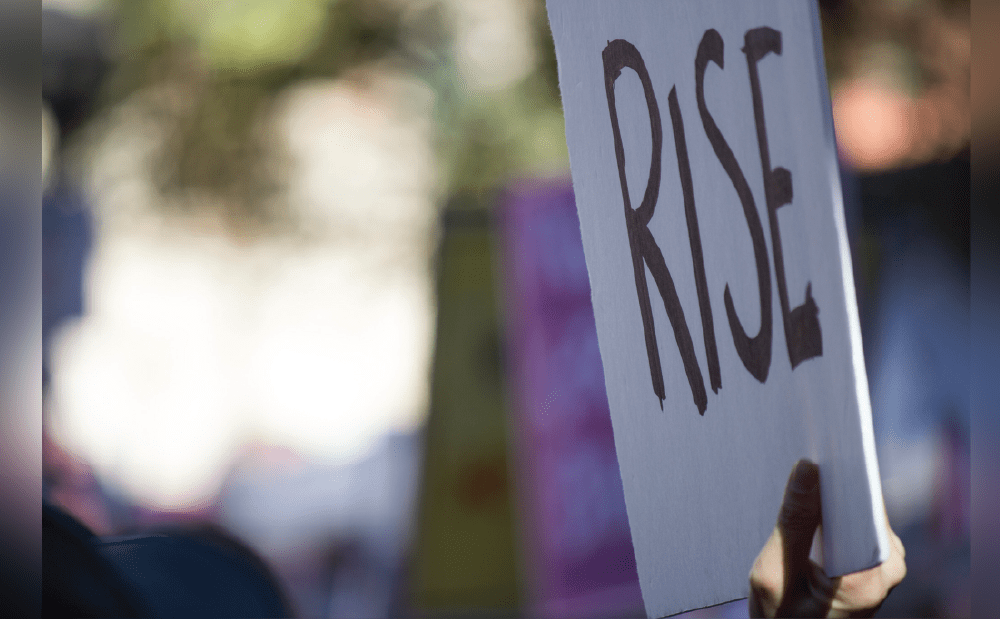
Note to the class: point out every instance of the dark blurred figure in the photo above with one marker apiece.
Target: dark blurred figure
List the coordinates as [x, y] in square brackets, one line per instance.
[73, 67]
[179, 573]
[917, 348]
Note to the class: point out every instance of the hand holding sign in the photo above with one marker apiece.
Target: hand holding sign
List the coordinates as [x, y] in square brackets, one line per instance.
[784, 582]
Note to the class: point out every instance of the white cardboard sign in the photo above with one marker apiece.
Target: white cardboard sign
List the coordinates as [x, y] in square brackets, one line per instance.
[705, 172]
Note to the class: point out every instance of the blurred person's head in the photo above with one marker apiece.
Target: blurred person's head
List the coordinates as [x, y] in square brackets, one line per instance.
[74, 63]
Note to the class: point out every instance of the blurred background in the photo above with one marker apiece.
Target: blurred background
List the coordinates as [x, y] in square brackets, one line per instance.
[313, 273]
[20, 308]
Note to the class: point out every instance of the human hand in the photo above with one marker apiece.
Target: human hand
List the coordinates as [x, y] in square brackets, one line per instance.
[784, 582]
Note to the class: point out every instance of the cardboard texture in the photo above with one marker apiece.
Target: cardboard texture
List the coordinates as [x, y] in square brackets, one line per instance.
[706, 179]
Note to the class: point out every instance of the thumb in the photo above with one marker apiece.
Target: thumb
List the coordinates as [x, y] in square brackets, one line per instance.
[800, 515]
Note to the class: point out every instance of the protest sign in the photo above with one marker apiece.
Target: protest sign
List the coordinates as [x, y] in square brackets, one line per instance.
[705, 172]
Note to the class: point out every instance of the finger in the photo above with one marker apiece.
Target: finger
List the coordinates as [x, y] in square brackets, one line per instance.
[800, 515]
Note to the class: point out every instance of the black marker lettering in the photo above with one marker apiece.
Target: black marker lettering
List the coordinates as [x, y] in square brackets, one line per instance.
[687, 187]
[755, 352]
[802, 331]
[618, 55]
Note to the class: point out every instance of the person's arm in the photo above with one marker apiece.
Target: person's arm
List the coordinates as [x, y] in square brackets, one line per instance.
[784, 582]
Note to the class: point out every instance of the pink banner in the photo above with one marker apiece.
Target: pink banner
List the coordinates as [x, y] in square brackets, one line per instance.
[577, 546]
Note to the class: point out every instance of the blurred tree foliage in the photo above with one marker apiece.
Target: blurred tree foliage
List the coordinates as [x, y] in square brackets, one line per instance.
[227, 62]
[230, 60]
